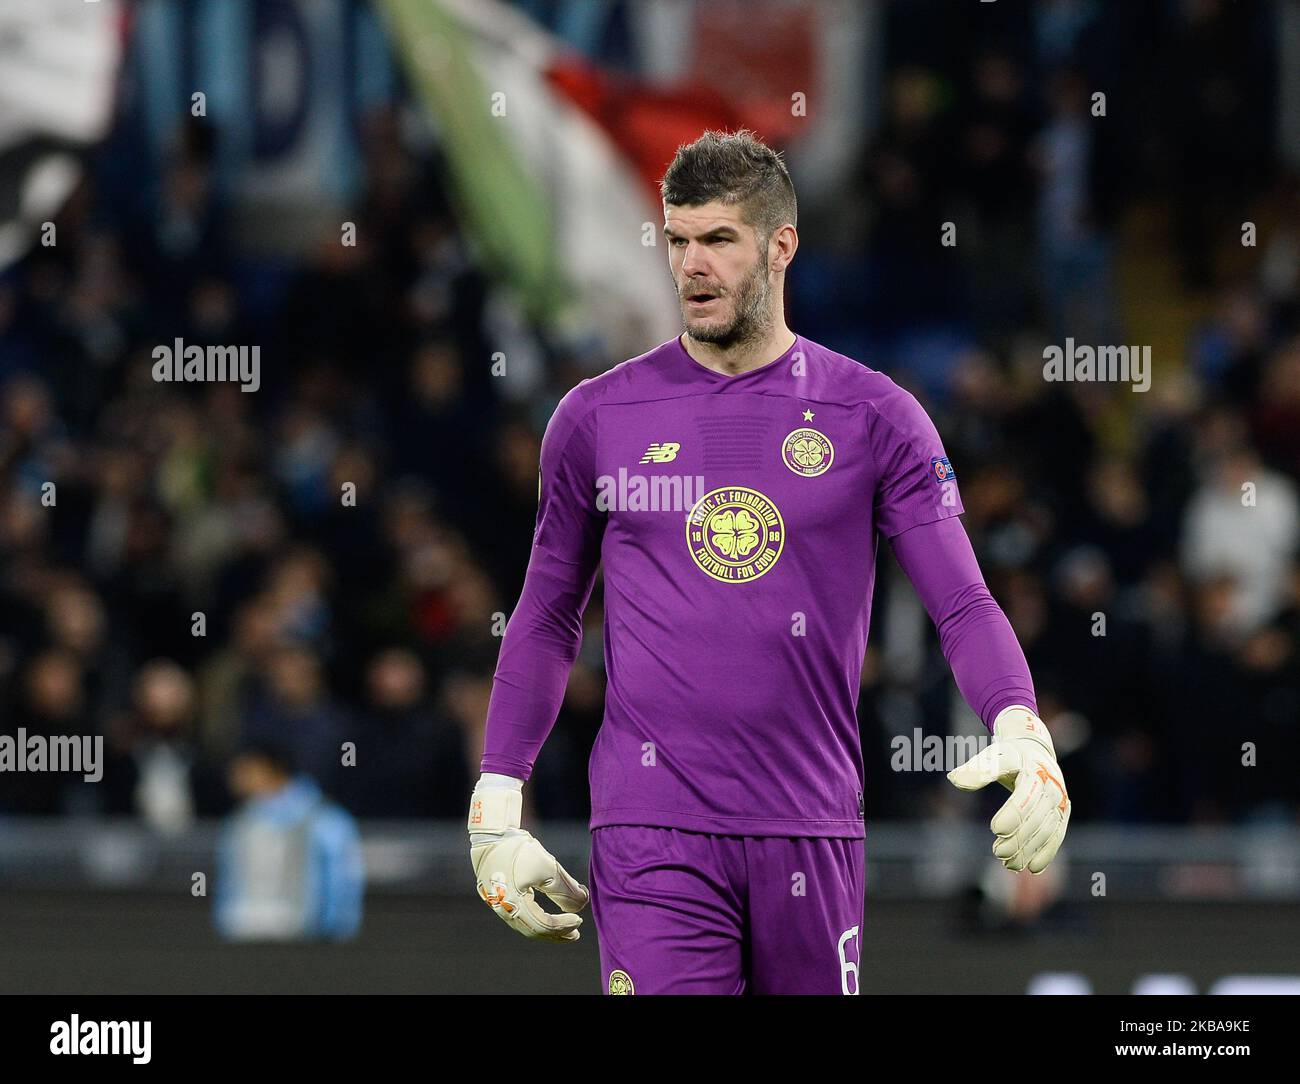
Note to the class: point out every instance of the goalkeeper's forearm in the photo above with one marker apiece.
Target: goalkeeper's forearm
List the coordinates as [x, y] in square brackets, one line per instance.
[987, 661]
[532, 673]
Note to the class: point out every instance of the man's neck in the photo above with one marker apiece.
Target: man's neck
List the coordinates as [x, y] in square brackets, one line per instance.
[735, 360]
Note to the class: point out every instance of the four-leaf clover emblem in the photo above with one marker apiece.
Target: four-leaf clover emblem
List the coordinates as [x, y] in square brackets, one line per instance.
[735, 533]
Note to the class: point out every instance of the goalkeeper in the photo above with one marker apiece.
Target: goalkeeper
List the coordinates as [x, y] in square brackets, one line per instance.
[727, 788]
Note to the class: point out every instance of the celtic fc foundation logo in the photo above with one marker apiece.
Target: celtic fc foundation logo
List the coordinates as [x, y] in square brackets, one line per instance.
[807, 452]
[735, 534]
[620, 982]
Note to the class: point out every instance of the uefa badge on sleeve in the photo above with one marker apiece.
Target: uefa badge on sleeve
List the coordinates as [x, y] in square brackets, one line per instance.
[942, 469]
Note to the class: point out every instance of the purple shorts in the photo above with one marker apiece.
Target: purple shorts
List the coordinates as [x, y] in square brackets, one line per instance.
[687, 913]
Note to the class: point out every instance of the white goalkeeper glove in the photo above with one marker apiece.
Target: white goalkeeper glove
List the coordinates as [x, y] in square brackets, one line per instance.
[509, 864]
[1031, 825]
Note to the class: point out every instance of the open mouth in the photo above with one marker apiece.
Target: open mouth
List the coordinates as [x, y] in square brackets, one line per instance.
[701, 299]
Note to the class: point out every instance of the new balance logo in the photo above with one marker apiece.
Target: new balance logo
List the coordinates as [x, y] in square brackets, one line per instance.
[661, 453]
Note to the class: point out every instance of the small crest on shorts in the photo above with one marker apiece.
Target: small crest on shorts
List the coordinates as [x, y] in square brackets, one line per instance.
[620, 982]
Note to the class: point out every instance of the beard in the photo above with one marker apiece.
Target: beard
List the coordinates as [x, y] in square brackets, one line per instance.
[751, 312]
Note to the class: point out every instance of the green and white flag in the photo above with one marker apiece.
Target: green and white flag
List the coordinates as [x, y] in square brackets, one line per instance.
[554, 206]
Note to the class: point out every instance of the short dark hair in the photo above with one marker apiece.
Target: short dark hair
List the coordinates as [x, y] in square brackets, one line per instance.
[734, 168]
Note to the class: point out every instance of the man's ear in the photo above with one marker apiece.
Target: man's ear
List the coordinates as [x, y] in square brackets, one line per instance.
[774, 247]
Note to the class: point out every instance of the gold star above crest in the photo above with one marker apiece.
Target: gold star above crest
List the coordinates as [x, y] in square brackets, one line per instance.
[807, 415]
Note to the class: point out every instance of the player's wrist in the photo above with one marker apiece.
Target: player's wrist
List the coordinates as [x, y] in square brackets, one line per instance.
[1019, 723]
[495, 779]
[495, 807]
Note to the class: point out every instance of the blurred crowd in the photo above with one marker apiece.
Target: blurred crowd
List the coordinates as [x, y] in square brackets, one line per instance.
[195, 584]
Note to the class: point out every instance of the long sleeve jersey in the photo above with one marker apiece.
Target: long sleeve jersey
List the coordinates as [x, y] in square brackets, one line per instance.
[737, 519]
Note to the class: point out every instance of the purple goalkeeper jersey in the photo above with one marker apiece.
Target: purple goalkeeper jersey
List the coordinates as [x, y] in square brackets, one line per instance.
[736, 519]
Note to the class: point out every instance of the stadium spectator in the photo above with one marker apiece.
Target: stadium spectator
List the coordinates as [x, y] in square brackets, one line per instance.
[289, 862]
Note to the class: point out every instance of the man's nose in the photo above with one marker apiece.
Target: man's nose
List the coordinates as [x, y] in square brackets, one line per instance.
[694, 262]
